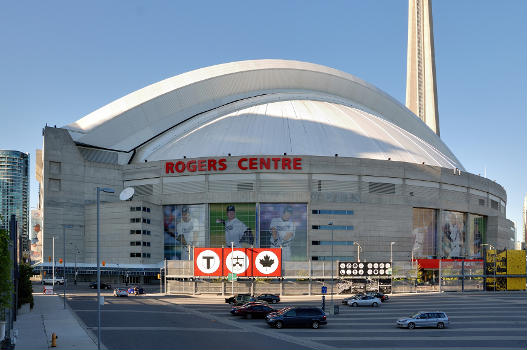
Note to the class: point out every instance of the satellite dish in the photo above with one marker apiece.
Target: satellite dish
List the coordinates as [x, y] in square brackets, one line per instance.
[126, 194]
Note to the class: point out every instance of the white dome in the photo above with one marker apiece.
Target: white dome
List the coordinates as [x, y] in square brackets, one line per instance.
[295, 127]
[262, 107]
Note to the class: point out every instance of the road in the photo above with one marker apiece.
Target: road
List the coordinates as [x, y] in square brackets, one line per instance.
[478, 321]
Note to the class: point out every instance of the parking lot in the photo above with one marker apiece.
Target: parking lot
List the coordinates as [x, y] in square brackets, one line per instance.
[478, 321]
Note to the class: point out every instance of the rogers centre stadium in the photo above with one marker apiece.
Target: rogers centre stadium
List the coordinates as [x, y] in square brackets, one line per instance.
[260, 154]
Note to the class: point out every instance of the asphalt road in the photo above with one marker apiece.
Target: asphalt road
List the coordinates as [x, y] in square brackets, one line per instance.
[478, 321]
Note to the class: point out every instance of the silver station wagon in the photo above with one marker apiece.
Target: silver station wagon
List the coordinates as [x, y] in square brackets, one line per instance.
[424, 319]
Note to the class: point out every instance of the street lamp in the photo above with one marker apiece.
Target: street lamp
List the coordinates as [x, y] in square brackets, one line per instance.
[107, 190]
[64, 227]
[359, 249]
[332, 262]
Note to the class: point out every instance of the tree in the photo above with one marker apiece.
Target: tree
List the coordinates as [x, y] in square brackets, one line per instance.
[6, 285]
[25, 289]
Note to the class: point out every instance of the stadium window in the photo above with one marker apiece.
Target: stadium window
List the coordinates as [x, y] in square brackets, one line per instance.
[132, 208]
[315, 242]
[332, 227]
[331, 212]
[137, 208]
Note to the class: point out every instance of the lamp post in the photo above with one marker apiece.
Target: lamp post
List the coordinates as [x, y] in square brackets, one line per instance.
[332, 262]
[107, 190]
[359, 249]
[64, 227]
[232, 268]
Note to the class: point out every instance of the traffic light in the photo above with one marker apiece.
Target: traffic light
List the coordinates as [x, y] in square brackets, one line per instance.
[60, 261]
[158, 276]
[49, 258]
[103, 263]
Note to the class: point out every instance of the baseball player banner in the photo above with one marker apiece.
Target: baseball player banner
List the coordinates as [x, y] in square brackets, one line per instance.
[232, 222]
[184, 228]
[424, 232]
[453, 235]
[284, 225]
[244, 262]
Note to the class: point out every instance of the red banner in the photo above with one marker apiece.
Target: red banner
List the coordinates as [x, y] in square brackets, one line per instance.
[244, 262]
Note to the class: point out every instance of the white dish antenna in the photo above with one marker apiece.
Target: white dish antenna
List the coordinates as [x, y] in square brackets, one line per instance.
[126, 194]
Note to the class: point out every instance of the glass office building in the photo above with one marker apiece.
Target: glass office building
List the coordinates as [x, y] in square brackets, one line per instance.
[14, 192]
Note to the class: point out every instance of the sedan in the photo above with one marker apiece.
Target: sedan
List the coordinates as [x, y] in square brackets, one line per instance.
[297, 316]
[93, 285]
[270, 298]
[365, 301]
[379, 295]
[436, 319]
[356, 296]
[254, 311]
[120, 292]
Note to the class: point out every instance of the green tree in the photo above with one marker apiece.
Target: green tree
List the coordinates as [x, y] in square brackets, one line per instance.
[6, 287]
[25, 289]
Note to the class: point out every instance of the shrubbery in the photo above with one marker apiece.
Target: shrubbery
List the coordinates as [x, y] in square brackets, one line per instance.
[25, 289]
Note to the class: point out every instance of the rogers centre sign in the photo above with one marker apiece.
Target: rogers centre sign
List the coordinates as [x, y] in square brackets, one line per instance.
[262, 163]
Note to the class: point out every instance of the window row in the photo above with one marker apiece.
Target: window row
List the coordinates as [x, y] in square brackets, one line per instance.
[332, 212]
[332, 227]
[139, 243]
[332, 242]
[138, 232]
[138, 255]
[145, 209]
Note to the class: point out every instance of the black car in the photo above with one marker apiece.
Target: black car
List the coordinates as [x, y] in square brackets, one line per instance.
[297, 317]
[93, 285]
[252, 310]
[270, 298]
[379, 295]
[240, 299]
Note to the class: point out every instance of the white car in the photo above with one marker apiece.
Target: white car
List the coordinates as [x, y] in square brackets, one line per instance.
[58, 280]
[366, 300]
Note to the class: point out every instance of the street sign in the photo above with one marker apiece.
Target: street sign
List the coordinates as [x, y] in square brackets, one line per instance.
[324, 289]
[232, 277]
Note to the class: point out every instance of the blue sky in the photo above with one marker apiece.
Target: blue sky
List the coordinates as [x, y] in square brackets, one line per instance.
[61, 60]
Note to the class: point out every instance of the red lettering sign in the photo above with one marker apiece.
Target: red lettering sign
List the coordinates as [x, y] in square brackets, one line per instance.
[264, 163]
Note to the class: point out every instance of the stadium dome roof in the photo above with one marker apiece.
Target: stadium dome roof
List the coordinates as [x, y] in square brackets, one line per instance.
[262, 107]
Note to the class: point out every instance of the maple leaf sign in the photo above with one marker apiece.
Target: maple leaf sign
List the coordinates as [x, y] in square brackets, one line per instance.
[267, 261]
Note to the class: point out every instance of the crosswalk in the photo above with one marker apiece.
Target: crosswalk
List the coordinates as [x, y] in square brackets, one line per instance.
[478, 321]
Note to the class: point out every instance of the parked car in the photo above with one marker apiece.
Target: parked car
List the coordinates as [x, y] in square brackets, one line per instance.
[58, 280]
[270, 298]
[366, 300]
[297, 316]
[234, 309]
[93, 285]
[436, 319]
[355, 296]
[135, 290]
[253, 310]
[120, 292]
[379, 295]
[241, 299]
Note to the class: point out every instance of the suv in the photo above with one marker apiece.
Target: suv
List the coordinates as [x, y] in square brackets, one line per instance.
[297, 316]
[424, 319]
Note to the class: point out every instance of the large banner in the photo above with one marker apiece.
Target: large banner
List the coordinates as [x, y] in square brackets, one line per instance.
[476, 235]
[244, 262]
[232, 222]
[453, 234]
[284, 225]
[424, 232]
[184, 227]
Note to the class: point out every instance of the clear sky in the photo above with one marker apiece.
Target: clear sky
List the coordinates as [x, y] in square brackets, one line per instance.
[61, 60]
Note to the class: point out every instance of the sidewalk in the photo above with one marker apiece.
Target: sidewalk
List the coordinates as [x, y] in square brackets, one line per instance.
[49, 316]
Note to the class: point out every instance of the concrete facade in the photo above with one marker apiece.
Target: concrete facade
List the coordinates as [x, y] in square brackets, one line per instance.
[69, 182]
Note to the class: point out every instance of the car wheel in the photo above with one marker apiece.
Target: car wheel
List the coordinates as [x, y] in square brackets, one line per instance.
[354, 304]
[411, 325]
[315, 324]
[279, 324]
[374, 305]
[440, 325]
[274, 301]
[249, 316]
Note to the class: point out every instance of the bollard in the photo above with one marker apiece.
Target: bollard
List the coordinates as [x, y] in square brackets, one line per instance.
[53, 340]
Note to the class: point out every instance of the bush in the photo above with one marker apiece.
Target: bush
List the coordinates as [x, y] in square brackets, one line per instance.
[25, 289]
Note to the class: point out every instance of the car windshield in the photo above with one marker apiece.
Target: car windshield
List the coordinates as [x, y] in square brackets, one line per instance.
[285, 309]
[415, 315]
